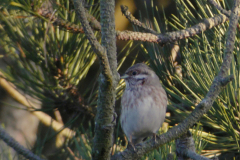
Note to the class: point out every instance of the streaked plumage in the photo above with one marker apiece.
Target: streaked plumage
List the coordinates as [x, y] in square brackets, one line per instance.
[143, 103]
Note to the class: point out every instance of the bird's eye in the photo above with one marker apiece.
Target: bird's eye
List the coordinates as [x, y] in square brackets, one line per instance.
[134, 73]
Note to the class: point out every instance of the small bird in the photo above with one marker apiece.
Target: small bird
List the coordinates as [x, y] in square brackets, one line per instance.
[143, 104]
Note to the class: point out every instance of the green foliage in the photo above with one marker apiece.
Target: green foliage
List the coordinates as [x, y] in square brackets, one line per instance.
[49, 60]
[52, 64]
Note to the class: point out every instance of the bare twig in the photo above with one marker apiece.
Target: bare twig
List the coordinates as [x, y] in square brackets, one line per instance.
[202, 107]
[16, 146]
[185, 148]
[135, 21]
[222, 10]
[184, 143]
[173, 36]
[93, 22]
[194, 155]
[98, 49]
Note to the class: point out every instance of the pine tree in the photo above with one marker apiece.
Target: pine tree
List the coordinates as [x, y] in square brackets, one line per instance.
[52, 46]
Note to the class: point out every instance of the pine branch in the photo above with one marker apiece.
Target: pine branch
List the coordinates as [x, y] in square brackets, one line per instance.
[16, 146]
[202, 108]
[60, 22]
[162, 38]
[93, 22]
[135, 21]
[98, 49]
[173, 36]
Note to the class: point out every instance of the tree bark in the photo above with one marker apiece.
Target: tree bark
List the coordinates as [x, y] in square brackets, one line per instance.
[104, 123]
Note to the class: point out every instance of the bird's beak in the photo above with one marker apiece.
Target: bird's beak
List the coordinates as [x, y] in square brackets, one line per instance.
[124, 76]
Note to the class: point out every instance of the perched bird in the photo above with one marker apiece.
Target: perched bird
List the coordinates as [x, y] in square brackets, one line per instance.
[143, 104]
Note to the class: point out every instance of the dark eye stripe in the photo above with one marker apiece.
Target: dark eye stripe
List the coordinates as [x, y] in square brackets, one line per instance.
[140, 79]
[137, 72]
[145, 73]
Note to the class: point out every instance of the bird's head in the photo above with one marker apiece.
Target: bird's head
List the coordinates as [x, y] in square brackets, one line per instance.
[140, 74]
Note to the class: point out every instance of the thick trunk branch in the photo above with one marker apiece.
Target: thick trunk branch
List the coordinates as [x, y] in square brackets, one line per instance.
[105, 119]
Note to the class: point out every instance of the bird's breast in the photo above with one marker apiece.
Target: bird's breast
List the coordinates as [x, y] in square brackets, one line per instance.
[143, 110]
